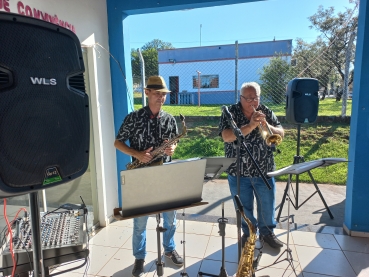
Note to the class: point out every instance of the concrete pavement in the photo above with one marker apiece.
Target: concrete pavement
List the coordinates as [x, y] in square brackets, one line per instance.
[312, 215]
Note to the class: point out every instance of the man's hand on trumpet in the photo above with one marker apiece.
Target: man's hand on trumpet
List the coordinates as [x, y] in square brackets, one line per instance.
[257, 118]
[265, 129]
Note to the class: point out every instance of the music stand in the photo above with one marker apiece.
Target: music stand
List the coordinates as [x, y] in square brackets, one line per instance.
[299, 159]
[216, 166]
[162, 188]
[297, 169]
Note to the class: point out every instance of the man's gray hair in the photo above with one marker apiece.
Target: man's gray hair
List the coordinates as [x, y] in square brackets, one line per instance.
[253, 85]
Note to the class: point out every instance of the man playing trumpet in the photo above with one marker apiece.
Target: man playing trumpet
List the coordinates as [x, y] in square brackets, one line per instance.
[248, 114]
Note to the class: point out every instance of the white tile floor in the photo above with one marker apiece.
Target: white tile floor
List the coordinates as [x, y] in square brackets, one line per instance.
[314, 254]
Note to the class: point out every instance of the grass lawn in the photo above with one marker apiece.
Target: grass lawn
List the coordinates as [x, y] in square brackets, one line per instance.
[316, 141]
[327, 107]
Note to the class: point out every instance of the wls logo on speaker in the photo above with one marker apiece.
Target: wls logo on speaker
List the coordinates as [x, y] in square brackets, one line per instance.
[43, 81]
[51, 176]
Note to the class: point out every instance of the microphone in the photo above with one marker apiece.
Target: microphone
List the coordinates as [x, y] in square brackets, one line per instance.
[228, 115]
[225, 109]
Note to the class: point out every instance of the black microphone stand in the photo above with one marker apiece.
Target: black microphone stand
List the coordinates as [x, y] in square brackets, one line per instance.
[240, 140]
[159, 263]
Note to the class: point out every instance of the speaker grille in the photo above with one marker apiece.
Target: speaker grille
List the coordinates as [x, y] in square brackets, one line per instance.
[77, 82]
[302, 100]
[42, 124]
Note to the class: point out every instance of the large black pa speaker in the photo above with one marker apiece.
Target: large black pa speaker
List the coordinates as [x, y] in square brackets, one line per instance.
[302, 101]
[44, 113]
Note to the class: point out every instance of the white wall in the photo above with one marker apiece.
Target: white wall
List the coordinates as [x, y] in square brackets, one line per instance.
[88, 18]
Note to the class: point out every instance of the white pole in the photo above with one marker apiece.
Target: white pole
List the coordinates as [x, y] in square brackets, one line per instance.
[198, 86]
[347, 73]
[142, 63]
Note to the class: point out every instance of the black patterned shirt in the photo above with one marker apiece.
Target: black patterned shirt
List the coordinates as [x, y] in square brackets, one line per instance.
[261, 152]
[143, 130]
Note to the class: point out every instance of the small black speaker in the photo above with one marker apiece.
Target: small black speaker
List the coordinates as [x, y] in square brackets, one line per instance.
[302, 101]
[44, 113]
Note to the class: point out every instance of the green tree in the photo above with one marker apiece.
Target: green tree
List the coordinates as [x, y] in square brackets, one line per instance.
[311, 65]
[157, 44]
[274, 79]
[336, 31]
[150, 55]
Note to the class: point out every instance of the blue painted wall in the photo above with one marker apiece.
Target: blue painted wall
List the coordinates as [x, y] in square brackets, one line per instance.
[357, 190]
[210, 53]
[121, 77]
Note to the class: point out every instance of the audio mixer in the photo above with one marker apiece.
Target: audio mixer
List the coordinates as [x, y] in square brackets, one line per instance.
[63, 238]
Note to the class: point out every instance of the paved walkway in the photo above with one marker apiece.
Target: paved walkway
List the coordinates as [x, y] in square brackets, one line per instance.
[312, 213]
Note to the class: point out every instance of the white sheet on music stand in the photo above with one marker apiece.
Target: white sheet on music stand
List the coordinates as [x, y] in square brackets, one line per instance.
[306, 166]
[216, 166]
[149, 189]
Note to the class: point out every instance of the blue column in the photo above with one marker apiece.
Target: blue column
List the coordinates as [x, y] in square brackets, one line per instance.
[121, 75]
[357, 190]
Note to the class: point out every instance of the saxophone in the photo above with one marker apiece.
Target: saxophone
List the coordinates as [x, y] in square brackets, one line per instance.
[159, 152]
[246, 262]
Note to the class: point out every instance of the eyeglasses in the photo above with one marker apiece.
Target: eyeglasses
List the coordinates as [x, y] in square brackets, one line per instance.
[249, 100]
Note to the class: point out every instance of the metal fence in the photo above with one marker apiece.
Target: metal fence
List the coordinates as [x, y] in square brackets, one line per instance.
[212, 75]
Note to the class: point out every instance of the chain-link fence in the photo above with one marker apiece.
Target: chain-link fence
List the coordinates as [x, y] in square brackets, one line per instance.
[212, 75]
[214, 79]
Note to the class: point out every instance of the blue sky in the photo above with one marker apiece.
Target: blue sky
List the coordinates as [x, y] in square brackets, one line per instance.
[249, 22]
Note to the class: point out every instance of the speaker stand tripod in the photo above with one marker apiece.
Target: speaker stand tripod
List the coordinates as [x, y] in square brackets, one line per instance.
[299, 159]
[222, 225]
[287, 251]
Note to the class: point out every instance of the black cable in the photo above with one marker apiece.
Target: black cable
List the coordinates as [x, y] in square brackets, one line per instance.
[29, 258]
[4, 237]
[53, 211]
[5, 229]
[19, 239]
[85, 210]
[71, 269]
[87, 266]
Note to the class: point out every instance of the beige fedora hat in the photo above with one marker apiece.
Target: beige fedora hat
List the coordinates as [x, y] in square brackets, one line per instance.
[157, 83]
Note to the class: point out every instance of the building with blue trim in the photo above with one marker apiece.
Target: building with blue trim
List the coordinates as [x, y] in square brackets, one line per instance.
[214, 67]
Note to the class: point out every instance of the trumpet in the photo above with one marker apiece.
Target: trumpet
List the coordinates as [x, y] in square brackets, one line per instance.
[267, 135]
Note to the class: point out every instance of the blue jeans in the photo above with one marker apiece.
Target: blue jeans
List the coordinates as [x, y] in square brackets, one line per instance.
[139, 234]
[265, 200]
